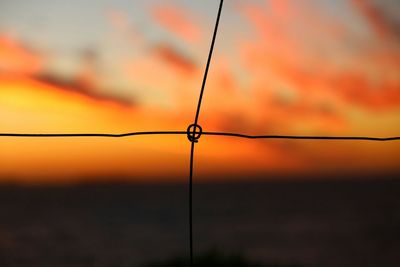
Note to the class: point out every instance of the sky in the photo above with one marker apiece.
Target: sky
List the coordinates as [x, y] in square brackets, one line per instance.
[280, 67]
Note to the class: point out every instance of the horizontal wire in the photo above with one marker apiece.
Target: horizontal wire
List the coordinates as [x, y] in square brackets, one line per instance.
[44, 135]
[299, 137]
[238, 135]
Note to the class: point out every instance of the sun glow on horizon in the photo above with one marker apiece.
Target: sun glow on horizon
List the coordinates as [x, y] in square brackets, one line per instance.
[143, 69]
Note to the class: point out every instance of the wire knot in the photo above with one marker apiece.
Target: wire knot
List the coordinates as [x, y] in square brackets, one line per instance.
[194, 132]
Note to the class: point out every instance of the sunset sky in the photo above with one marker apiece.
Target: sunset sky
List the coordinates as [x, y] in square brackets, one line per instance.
[316, 67]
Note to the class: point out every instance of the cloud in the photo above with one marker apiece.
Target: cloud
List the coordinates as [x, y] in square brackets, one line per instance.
[18, 62]
[174, 59]
[313, 65]
[16, 58]
[358, 88]
[123, 28]
[376, 18]
[179, 21]
[77, 87]
[118, 19]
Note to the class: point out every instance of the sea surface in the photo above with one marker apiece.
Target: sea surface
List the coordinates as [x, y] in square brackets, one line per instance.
[310, 223]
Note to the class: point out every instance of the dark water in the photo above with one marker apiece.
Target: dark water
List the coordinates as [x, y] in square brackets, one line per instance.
[308, 223]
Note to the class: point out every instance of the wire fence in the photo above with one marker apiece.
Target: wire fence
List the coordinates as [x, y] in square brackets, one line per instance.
[195, 131]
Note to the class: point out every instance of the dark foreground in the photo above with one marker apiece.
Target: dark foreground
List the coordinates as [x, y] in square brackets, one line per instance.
[290, 223]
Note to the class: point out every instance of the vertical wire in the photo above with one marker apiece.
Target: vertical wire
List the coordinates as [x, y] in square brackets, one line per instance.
[191, 203]
[203, 85]
[192, 135]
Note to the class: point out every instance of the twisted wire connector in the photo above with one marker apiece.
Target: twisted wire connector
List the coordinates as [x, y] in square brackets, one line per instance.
[194, 132]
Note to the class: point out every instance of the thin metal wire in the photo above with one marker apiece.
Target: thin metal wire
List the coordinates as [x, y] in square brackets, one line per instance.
[195, 131]
[191, 202]
[203, 85]
[47, 135]
[226, 134]
[310, 137]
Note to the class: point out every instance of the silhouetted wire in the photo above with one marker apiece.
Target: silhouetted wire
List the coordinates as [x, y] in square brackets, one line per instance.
[191, 202]
[92, 134]
[203, 85]
[305, 137]
[194, 132]
[226, 134]
[193, 135]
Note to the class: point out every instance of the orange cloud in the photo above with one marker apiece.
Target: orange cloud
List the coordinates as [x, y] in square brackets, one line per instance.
[175, 59]
[356, 88]
[178, 21]
[15, 58]
[283, 9]
[367, 79]
[82, 89]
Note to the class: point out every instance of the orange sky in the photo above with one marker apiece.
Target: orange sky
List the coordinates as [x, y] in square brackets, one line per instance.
[284, 69]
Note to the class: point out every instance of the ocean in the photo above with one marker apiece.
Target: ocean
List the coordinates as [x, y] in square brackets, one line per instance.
[308, 223]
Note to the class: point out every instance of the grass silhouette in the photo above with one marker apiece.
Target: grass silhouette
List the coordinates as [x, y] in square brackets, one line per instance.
[214, 258]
